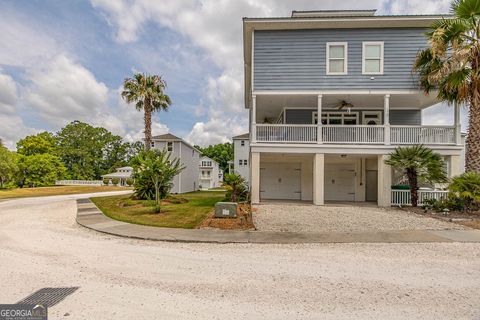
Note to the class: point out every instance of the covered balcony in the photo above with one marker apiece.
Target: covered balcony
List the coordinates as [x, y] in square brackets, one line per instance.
[361, 118]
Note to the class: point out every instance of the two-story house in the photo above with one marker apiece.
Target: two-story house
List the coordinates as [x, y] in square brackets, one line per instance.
[330, 94]
[210, 174]
[187, 180]
[241, 156]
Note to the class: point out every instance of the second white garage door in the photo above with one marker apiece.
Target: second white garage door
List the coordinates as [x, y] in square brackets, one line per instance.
[340, 182]
[280, 181]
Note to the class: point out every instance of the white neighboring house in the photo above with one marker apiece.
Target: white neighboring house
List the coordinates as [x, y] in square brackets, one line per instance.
[241, 156]
[210, 174]
[187, 180]
[122, 173]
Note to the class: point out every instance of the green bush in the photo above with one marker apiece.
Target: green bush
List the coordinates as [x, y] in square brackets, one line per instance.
[106, 181]
[237, 190]
[466, 187]
[452, 203]
[129, 182]
[115, 181]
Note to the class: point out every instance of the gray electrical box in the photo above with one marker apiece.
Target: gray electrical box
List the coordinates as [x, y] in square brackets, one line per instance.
[226, 210]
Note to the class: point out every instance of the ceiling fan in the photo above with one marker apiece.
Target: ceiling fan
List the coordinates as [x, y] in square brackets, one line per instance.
[344, 104]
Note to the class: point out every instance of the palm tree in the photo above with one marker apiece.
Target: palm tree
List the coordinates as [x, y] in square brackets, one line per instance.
[452, 66]
[147, 91]
[418, 164]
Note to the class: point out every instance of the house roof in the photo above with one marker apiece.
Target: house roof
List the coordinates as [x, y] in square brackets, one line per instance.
[171, 137]
[244, 136]
[203, 158]
[117, 175]
[125, 168]
[324, 19]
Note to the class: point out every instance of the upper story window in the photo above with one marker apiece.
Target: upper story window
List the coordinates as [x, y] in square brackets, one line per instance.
[206, 163]
[242, 143]
[336, 118]
[152, 144]
[337, 57]
[170, 146]
[372, 57]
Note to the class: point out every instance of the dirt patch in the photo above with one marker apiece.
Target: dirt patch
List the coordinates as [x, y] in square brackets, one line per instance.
[468, 219]
[243, 221]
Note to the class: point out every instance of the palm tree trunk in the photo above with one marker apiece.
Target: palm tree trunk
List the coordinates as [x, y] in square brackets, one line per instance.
[472, 157]
[413, 182]
[148, 124]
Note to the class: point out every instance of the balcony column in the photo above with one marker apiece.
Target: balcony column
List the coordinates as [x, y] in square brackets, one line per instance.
[318, 179]
[384, 184]
[255, 177]
[386, 118]
[254, 118]
[457, 123]
[319, 119]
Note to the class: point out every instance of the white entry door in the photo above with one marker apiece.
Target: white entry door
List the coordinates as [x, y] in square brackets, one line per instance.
[280, 181]
[339, 182]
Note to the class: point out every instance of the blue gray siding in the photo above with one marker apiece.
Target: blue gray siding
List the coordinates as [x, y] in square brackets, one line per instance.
[397, 117]
[295, 59]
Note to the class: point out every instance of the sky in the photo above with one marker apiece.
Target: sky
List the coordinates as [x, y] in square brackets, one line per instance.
[62, 61]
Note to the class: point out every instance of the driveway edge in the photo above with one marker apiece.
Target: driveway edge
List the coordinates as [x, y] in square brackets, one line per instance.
[91, 217]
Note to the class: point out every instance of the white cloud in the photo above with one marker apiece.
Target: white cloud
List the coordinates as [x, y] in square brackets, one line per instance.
[417, 7]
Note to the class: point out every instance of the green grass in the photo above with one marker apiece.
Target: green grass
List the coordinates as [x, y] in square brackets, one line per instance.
[186, 210]
[55, 191]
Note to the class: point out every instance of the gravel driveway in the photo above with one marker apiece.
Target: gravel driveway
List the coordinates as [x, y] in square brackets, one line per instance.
[341, 218]
[42, 246]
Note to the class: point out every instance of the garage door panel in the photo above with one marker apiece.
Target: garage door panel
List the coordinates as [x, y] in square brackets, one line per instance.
[340, 182]
[280, 181]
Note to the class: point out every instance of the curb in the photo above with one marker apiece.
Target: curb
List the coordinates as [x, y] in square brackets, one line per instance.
[89, 216]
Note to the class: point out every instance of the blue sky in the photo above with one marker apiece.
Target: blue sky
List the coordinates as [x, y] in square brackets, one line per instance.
[66, 60]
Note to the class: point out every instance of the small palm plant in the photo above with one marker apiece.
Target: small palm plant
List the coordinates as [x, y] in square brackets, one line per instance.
[147, 92]
[451, 67]
[418, 163]
[467, 188]
[235, 185]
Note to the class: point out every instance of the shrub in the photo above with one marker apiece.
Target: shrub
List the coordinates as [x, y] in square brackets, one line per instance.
[466, 187]
[129, 182]
[115, 181]
[106, 181]
[236, 187]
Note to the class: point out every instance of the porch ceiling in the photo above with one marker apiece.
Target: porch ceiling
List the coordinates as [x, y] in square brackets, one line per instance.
[272, 104]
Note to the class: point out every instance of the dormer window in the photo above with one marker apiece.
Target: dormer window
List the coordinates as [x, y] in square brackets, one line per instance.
[372, 58]
[337, 57]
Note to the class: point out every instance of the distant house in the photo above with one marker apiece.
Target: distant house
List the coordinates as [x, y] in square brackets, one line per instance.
[122, 173]
[210, 174]
[189, 156]
[241, 156]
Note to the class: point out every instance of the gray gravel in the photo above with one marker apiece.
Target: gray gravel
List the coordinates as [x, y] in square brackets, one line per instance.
[41, 246]
[342, 218]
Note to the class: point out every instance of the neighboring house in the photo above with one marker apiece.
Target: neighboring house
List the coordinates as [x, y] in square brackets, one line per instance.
[210, 174]
[187, 180]
[122, 174]
[330, 94]
[241, 156]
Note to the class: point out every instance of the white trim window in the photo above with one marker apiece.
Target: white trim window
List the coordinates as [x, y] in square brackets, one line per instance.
[337, 58]
[169, 145]
[372, 57]
[336, 118]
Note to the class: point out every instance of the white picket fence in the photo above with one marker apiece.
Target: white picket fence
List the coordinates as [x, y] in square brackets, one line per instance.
[402, 197]
[78, 182]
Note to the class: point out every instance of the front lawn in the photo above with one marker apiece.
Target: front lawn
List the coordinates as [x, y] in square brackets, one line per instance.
[55, 191]
[186, 210]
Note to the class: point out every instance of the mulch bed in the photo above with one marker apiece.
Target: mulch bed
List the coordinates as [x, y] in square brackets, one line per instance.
[470, 219]
[243, 221]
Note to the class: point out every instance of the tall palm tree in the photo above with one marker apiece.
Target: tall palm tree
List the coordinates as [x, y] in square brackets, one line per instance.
[452, 66]
[147, 92]
[418, 163]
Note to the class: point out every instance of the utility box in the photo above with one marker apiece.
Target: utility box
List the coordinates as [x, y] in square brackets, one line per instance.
[226, 210]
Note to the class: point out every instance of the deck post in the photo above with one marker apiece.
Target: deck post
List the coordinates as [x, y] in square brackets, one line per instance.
[386, 118]
[254, 118]
[255, 177]
[318, 179]
[384, 182]
[319, 119]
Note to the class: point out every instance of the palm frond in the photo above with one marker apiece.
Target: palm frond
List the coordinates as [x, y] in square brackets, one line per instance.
[466, 9]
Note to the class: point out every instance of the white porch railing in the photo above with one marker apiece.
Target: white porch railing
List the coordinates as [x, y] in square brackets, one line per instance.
[301, 133]
[79, 182]
[402, 197]
[422, 135]
[353, 134]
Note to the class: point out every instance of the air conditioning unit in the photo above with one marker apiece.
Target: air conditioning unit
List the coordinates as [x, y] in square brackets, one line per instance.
[226, 210]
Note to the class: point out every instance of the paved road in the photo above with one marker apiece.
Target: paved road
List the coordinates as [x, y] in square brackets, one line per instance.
[42, 246]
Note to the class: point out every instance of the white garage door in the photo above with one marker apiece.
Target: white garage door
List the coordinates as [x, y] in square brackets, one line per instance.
[280, 181]
[340, 182]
